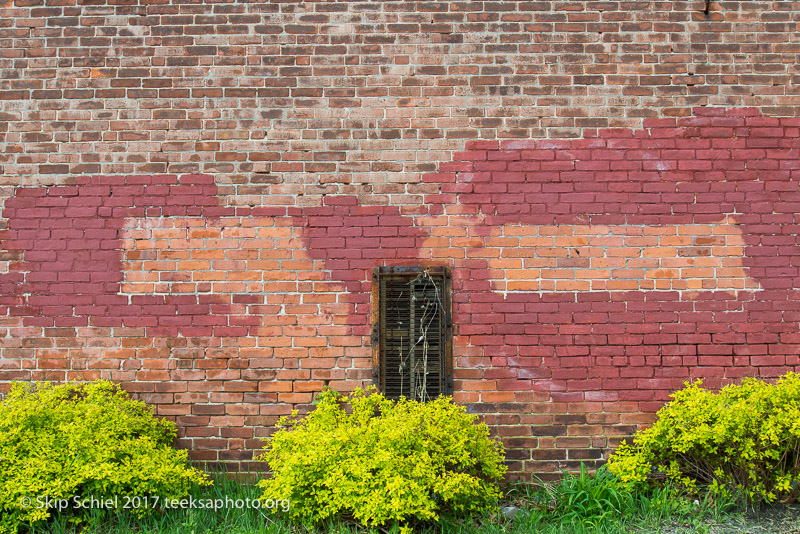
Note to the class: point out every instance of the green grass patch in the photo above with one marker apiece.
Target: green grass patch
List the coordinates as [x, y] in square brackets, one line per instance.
[596, 503]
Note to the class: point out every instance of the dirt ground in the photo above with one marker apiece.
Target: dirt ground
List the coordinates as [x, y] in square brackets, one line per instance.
[784, 519]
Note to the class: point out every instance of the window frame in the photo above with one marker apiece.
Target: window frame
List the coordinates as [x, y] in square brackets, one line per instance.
[411, 272]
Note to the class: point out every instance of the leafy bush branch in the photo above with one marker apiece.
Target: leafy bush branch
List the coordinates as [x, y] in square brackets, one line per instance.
[83, 440]
[383, 462]
[743, 441]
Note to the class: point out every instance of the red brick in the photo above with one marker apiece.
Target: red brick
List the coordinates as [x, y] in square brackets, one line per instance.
[253, 279]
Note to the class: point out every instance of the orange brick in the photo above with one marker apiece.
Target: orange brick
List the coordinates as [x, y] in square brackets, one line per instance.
[571, 241]
[522, 274]
[577, 285]
[560, 274]
[591, 274]
[615, 252]
[193, 265]
[623, 285]
[295, 398]
[536, 242]
[660, 252]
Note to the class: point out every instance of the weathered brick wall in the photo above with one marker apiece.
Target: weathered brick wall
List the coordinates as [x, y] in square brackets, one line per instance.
[194, 196]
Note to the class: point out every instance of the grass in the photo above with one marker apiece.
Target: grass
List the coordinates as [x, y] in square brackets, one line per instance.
[585, 503]
[578, 504]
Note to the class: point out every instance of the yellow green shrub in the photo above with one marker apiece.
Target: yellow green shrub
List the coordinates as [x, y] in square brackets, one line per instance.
[83, 440]
[383, 462]
[742, 441]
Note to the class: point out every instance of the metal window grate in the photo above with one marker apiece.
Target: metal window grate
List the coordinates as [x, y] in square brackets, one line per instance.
[412, 332]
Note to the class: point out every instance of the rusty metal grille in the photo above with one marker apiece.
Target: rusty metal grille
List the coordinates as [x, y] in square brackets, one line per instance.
[411, 336]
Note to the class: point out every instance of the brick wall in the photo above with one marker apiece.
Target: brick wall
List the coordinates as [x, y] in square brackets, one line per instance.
[194, 196]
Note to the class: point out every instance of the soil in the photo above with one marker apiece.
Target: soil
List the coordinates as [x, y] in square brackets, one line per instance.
[783, 519]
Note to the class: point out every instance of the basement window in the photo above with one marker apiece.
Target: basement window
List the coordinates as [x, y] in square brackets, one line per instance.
[412, 332]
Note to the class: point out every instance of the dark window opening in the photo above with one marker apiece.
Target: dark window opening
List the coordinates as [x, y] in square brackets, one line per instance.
[412, 345]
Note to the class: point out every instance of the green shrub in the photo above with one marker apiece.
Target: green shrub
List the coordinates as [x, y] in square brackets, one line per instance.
[83, 440]
[744, 440]
[383, 462]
